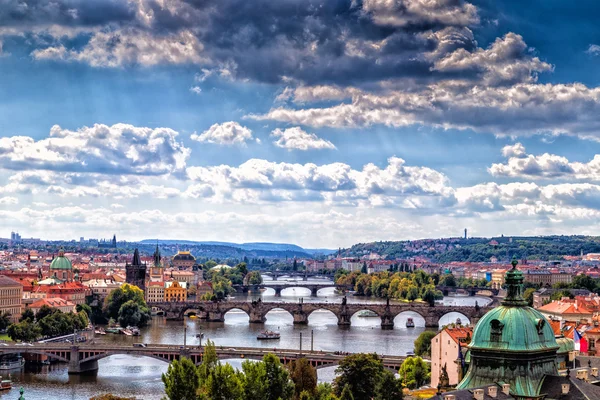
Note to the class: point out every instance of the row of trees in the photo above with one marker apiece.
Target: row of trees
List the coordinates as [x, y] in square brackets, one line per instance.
[409, 286]
[47, 322]
[223, 278]
[360, 377]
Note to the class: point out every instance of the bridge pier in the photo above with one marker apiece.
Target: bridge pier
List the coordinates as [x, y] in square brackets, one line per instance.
[432, 321]
[215, 316]
[313, 291]
[300, 318]
[278, 291]
[257, 317]
[78, 367]
[344, 319]
[387, 322]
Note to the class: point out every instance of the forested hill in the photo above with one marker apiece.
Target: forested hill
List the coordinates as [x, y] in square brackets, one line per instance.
[482, 249]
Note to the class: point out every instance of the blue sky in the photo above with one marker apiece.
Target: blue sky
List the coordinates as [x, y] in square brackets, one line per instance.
[317, 123]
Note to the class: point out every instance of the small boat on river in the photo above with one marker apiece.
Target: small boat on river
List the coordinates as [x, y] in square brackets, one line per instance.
[12, 363]
[127, 332]
[268, 335]
[135, 331]
[100, 331]
[410, 323]
[113, 330]
[367, 314]
[5, 384]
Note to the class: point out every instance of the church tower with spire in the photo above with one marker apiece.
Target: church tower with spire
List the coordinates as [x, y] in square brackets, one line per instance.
[136, 271]
[156, 272]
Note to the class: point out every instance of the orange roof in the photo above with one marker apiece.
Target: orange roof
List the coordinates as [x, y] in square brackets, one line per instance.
[52, 302]
[459, 334]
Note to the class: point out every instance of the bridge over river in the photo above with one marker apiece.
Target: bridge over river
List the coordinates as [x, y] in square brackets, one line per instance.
[278, 287]
[257, 310]
[84, 357]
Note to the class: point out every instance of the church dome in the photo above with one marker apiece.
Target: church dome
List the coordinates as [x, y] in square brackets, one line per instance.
[513, 344]
[184, 256]
[61, 262]
[515, 329]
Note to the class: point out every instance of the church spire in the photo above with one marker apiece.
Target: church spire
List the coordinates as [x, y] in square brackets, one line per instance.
[157, 256]
[136, 258]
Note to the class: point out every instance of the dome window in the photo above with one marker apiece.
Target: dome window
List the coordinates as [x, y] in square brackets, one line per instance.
[496, 330]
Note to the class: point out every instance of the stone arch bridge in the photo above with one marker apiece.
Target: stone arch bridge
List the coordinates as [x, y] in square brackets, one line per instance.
[257, 311]
[314, 288]
[84, 358]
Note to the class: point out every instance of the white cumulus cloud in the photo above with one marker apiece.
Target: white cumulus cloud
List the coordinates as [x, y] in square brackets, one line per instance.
[227, 133]
[297, 139]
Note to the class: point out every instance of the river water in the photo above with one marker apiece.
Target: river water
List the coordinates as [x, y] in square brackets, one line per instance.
[140, 377]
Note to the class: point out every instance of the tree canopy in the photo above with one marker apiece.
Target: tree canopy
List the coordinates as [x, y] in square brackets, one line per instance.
[126, 304]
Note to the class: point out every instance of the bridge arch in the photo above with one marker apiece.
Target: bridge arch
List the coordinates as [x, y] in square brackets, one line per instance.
[452, 317]
[401, 319]
[332, 317]
[236, 315]
[279, 315]
[100, 356]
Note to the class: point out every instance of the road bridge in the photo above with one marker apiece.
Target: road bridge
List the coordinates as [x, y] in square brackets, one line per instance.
[84, 357]
[278, 287]
[257, 310]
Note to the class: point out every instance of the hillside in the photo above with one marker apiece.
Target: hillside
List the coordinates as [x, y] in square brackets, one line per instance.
[482, 249]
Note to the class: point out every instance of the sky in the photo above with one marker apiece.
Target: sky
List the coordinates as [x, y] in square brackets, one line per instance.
[319, 123]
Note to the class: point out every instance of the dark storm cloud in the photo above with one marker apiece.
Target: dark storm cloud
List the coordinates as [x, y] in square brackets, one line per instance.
[315, 42]
[31, 13]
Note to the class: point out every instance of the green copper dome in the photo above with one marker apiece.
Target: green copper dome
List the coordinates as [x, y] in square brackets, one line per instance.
[566, 344]
[513, 344]
[61, 262]
[513, 329]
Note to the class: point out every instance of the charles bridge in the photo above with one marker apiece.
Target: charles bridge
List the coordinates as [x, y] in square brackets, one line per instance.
[84, 357]
[257, 310]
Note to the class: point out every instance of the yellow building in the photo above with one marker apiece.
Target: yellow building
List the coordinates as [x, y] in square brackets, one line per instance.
[11, 295]
[498, 278]
[175, 291]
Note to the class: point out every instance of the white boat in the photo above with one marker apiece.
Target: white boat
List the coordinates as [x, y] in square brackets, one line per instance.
[367, 314]
[13, 363]
[268, 335]
[410, 323]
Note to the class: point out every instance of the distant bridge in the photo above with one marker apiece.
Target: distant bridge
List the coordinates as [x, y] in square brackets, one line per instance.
[471, 291]
[278, 287]
[84, 357]
[257, 311]
[300, 274]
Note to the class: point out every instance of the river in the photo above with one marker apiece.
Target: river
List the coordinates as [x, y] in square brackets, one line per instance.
[140, 377]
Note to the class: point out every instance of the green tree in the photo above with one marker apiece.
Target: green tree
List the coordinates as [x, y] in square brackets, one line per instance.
[389, 387]
[27, 315]
[325, 392]
[24, 331]
[129, 314]
[44, 311]
[254, 278]
[448, 280]
[224, 383]
[528, 295]
[414, 372]
[295, 265]
[364, 269]
[115, 300]
[4, 320]
[559, 294]
[346, 393]
[361, 373]
[84, 307]
[255, 380]
[583, 281]
[304, 377]
[423, 343]
[181, 380]
[210, 360]
[280, 386]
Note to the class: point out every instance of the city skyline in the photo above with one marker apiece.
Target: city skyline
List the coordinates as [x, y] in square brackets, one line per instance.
[321, 124]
